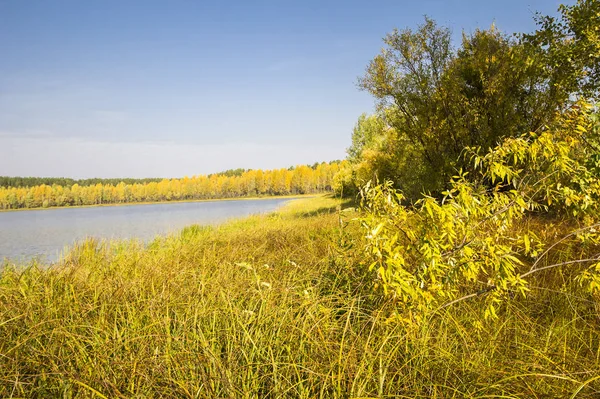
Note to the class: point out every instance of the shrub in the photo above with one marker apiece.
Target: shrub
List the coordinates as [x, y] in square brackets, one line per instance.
[472, 241]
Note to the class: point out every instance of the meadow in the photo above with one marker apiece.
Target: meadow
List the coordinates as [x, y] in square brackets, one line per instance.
[284, 306]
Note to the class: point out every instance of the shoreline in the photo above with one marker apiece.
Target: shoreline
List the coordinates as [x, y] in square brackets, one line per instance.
[299, 196]
[48, 261]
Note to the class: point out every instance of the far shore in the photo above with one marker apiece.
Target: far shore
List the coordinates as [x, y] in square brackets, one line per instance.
[264, 197]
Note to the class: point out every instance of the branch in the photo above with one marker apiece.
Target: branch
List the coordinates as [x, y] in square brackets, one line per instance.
[595, 258]
[464, 242]
[533, 267]
[478, 293]
[492, 288]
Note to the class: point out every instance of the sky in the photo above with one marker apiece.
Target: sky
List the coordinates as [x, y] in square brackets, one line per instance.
[177, 88]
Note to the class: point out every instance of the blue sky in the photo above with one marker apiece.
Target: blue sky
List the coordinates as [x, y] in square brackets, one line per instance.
[174, 88]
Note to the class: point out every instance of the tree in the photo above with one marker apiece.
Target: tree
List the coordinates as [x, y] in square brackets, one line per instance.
[405, 79]
[366, 133]
[440, 101]
[570, 46]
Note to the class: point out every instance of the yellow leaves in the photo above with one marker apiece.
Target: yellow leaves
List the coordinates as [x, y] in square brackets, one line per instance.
[301, 180]
[527, 243]
[468, 251]
[376, 230]
[441, 243]
[429, 211]
[427, 254]
[490, 312]
[590, 278]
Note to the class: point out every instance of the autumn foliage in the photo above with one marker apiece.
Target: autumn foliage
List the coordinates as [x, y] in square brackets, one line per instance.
[483, 238]
[298, 180]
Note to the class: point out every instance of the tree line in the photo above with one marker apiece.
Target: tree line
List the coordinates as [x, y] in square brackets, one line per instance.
[301, 179]
[17, 181]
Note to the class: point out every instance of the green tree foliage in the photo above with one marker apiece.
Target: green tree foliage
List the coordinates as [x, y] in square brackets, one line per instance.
[405, 78]
[378, 150]
[231, 172]
[570, 46]
[369, 131]
[437, 100]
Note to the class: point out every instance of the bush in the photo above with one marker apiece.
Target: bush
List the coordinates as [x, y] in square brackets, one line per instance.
[474, 240]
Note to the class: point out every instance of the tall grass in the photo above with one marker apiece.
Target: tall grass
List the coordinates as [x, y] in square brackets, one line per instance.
[274, 306]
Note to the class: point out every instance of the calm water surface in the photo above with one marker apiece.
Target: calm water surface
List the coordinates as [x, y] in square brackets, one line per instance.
[45, 233]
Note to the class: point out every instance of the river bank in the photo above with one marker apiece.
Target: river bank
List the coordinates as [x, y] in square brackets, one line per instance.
[279, 305]
[162, 202]
[25, 235]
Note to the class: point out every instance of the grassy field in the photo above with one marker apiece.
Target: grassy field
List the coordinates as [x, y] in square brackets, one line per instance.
[276, 306]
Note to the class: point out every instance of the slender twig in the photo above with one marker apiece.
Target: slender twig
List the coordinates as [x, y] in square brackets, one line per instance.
[595, 258]
[493, 287]
[464, 242]
[590, 144]
[559, 241]
[478, 293]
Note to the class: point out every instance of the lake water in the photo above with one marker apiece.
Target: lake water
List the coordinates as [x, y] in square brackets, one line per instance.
[45, 233]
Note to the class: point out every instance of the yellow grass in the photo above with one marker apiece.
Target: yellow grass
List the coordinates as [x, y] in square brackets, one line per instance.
[273, 306]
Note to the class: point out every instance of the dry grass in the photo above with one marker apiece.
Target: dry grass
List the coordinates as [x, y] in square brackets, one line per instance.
[274, 306]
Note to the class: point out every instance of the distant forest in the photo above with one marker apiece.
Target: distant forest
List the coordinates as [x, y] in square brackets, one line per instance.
[34, 192]
[18, 182]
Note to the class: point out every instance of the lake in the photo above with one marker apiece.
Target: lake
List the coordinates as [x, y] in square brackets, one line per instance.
[45, 233]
